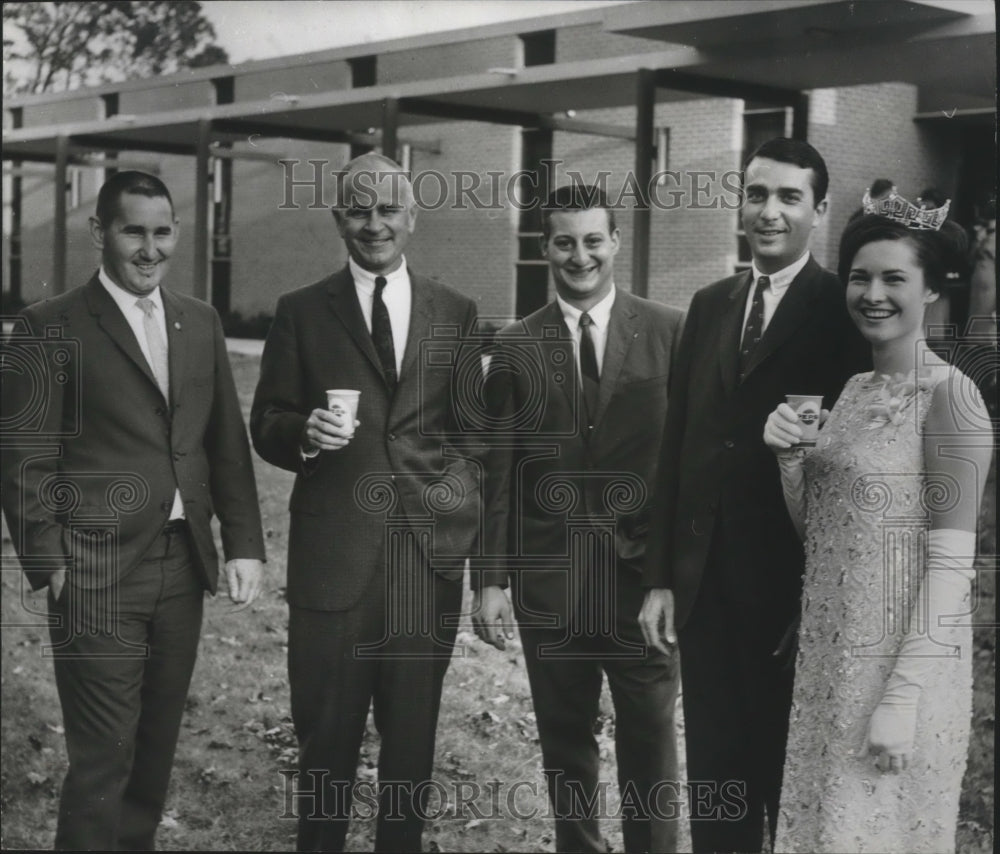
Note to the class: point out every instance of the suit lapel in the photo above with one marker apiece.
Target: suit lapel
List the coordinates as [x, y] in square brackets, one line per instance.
[788, 316]
[732, 328]
[622, 332]
[552, 318]
[177, 343]
[110, 318]
[421, 315]
[344, 304]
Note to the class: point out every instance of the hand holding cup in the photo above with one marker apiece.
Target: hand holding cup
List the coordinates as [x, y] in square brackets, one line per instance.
[332, 428]
[794, 424]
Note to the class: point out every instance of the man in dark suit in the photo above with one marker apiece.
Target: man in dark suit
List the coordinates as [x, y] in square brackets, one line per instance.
[384, 511]
[125, 435]
[582, 386]
[723, 562]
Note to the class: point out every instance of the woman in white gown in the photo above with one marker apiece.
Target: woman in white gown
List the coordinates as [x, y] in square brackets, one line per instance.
[887, 503]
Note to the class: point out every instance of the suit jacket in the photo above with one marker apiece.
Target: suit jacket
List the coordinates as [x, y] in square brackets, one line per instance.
[718, 483]
[404, 468]
[554, 476]
[94, 453]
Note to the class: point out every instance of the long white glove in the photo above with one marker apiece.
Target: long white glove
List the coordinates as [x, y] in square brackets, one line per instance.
[782, 434]
[950, 555]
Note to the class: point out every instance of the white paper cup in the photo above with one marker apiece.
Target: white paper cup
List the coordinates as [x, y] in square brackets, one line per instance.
[807, 407]
[344, 401]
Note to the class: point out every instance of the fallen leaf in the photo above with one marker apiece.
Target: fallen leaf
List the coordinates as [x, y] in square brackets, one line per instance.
[37, 779]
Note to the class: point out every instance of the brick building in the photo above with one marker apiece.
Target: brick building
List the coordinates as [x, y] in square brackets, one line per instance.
[913, 101]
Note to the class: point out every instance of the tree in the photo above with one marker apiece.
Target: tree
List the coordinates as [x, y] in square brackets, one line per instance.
[54, 47]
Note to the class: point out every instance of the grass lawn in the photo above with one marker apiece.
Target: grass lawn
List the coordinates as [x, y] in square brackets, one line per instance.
[227, 792]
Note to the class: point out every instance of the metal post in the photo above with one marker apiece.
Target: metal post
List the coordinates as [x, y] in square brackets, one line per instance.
[201, 174]
[16, 208]
[390, 126]
[645, 101]
[16, 197]
[222, 249]
[59, 218]
[800, 117]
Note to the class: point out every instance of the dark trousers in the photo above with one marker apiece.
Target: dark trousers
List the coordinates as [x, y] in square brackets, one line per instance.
[390, 651]
[123, 660]
[737, 698]
[566, 666]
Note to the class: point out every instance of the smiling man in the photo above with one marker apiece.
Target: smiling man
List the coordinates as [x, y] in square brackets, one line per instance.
[600, 361]
[724, 563]
[109, 499]
[350, 568]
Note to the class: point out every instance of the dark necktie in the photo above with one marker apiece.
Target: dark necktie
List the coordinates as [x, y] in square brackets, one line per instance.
[382, 334]
[754, 328]
[588, 367]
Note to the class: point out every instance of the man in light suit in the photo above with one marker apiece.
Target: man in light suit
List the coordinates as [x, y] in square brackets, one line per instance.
[582, 386]
[383, 511]
[723, 562]
[125, 437]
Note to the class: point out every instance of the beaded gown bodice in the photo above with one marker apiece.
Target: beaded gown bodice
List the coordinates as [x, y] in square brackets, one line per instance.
[867, 498]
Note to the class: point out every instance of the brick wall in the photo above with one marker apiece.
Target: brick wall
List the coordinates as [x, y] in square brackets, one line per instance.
[591, 41]
[868, 132]
[692, 237]
[448, 60]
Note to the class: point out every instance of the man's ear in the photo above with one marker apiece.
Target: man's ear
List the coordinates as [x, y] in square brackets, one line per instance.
[820, 212]
[96, 232]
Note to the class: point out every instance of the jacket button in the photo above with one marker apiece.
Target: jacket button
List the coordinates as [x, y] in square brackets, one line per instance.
[729, 443]
[166, 505]
[159, 410]
[178, 455]
[391, 437]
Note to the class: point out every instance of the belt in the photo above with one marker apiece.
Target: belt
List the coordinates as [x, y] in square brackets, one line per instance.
[175, 526]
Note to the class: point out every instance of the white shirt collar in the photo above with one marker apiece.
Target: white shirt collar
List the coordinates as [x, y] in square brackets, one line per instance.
[364, 280]
[784, 277]
[600, 313]
[126, 299]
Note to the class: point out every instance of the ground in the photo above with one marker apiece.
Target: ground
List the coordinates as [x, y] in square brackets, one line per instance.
[227, 790]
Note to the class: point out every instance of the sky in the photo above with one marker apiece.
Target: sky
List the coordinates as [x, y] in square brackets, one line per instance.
[261, 29]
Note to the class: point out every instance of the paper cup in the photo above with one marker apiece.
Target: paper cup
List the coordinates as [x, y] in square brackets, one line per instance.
[344, 401]
[807, 408]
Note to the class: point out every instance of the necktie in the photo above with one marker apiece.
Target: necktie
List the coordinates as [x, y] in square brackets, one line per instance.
[588, 367]
[382, 334]
[157, 346]
[754, 328]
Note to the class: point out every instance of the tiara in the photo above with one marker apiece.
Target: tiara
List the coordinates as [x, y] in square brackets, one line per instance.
[895, 207]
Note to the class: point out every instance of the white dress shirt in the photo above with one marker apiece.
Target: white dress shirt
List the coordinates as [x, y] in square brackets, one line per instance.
[600, 314]
[134, 316]
[397, 296]
[772, 296]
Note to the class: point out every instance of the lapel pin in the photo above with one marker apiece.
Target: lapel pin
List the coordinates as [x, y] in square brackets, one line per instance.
[177, 324]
